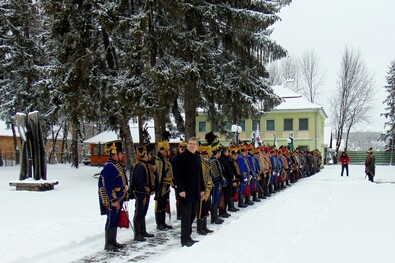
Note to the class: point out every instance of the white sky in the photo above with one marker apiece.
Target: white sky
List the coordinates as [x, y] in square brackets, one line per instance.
[329, 26]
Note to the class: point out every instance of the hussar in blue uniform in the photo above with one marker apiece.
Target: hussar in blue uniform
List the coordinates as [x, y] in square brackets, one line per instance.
[113, 191]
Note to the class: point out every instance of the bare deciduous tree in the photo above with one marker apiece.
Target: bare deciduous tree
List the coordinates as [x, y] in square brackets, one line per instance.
[311, 74]
[275, 74]
[285, 70]
[354, 96]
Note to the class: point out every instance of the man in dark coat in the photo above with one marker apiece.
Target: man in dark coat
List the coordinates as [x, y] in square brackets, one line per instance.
[143, 186]
[370, 165]
[190, 187]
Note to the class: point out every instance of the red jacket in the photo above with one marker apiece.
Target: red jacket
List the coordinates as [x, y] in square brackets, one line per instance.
[344, 160]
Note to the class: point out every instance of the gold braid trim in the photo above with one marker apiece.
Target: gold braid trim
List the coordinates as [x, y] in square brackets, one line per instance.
[208, 181]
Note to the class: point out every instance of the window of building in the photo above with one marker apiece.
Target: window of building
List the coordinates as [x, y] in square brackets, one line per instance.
[202, 126]
[270, 125]
[255, 123]
[242, 124]
[303, 124]
[288, 125]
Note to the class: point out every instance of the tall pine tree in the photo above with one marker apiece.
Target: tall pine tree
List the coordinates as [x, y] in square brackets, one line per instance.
[390, 108]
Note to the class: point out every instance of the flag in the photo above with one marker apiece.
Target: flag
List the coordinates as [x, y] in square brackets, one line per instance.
[275, 141]
[258, 138]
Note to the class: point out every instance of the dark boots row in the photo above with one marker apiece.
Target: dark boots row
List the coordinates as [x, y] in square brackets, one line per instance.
[160, 218]
[111, 243]
[202, 226]
[140, 231]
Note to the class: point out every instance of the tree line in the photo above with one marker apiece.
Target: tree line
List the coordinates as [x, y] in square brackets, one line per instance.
[106, 62]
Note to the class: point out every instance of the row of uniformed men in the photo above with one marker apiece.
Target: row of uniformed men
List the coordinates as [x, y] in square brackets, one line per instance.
[244, 174]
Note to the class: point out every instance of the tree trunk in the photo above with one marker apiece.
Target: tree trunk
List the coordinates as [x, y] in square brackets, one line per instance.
[74, 143]
[190, 110]
[15, 143]
[64, 141]
[177, 116]
[126, 137]
[160, 123]
[52, 152]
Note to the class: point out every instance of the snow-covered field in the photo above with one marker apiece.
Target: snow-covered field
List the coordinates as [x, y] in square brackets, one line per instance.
[324, 218]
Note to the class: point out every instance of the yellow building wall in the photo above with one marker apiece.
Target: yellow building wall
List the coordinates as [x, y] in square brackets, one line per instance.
[312, 138]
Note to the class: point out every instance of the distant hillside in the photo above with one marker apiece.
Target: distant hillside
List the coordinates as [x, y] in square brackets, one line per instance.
[361, 141]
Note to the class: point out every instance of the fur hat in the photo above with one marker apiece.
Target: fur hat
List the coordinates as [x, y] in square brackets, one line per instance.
[182, 145]
[215, 147]
[163, 145]
[115, 148]
[141, 152]
[205, 149]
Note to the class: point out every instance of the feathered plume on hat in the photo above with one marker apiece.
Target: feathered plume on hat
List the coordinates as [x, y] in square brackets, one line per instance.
[164, 145]
[210, 137]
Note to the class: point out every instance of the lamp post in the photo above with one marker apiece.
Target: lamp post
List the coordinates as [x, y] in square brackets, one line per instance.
[236, 130]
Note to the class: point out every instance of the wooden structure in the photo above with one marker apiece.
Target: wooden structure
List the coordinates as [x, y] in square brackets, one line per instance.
[34, 185]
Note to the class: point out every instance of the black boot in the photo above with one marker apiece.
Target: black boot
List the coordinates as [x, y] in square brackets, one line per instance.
[114, 238]
[254, 197]
[144, 230]
[271, 190]
[248, 201]
[200, 229]
[163, 218]
[205, 226]
[109, 246]
[158, 220]
[241, 204]
[138, 228]
[232, 207]
[222, 213]
[214, 215]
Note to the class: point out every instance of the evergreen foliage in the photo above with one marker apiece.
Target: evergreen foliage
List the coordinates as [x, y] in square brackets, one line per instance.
[110, 61]
[390, 108]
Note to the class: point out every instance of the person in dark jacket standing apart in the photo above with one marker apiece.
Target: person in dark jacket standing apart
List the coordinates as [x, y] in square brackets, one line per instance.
[344, 160]
[370, 164]
[113, 191]
[190, 187]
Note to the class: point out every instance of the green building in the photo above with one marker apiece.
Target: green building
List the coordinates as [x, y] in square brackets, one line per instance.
[295, 117]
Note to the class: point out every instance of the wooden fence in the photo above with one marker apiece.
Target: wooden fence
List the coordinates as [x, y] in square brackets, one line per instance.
[358, 157]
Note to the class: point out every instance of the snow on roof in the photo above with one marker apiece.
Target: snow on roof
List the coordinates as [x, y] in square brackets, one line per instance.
[103, 137]
[8, 132]
[293, 100]
[110, 136]
[4, 131]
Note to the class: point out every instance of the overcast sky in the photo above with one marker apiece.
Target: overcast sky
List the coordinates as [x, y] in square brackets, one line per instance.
[329, 26]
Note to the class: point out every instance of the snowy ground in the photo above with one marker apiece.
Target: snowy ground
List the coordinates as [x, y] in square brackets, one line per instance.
[324, 218]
